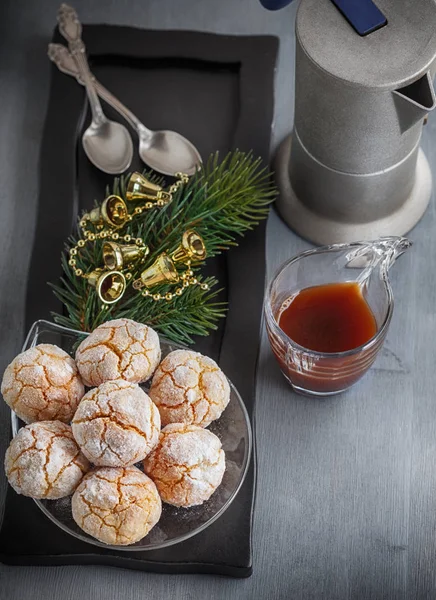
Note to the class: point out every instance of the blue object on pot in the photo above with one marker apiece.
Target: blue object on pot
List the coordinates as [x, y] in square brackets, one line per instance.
[362, 15]
[275, 4]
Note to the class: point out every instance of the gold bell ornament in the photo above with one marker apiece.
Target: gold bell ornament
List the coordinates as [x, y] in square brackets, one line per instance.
[119, 256]
[161, 271]
[110, 285]
[140, 188]
[113, 212]
[192, 248]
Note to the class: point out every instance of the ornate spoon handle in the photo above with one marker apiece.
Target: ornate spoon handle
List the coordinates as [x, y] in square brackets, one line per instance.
[71, 29]
[65, 62]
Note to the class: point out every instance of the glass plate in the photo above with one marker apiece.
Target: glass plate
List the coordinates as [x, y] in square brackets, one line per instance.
[176, 524]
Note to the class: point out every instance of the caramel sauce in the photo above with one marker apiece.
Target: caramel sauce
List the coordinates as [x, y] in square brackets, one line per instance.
[328, 318]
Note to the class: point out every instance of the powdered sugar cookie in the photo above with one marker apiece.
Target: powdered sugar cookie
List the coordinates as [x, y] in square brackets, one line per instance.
[117, 505]
[116, 424]
[44, 461]
[187, 465]
[188, 387]
[43, 384]
[118, 349]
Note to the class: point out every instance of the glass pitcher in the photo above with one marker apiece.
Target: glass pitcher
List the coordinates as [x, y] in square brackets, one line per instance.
[366, 263]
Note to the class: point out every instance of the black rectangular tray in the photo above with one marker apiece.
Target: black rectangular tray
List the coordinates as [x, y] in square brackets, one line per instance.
[218, 91]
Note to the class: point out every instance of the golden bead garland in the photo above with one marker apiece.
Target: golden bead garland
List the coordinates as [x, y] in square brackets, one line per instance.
[92, 237]
[121, 217]
[187, 279]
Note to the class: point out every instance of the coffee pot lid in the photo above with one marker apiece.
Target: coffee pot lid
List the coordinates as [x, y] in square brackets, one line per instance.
[390, 57]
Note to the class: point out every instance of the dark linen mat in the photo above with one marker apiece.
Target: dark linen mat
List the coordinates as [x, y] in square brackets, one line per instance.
[218, 91]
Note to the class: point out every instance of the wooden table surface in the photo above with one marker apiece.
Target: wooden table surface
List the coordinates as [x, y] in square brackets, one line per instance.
[346, 503]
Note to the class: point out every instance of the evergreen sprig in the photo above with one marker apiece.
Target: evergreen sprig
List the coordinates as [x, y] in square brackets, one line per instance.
[221, 202]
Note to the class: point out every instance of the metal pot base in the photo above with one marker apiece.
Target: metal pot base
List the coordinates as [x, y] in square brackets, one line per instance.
[321, 230]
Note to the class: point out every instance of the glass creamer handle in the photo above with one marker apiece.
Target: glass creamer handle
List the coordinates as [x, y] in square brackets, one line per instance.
[381, 254]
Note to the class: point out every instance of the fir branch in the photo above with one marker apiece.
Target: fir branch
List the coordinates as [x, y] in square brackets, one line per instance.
[221, 202]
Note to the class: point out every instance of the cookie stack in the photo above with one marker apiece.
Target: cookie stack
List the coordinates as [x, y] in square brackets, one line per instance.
[106, 446]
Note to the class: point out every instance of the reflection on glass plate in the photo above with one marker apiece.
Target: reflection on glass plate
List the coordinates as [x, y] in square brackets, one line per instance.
[176, 524]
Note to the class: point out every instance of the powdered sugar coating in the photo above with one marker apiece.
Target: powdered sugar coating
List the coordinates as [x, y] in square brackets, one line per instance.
[188, 387]
[116, 424]
[119, 349]
[43, 384]
[117, 505]
[187, 465]
[44, 461]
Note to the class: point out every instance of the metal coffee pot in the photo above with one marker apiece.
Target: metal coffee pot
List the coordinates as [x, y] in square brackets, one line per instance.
[353, 169]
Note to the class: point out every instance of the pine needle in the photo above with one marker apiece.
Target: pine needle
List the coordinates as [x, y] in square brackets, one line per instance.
[221, 202]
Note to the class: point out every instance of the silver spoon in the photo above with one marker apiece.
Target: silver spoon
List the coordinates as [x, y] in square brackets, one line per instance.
[107, 144]
[167, 152]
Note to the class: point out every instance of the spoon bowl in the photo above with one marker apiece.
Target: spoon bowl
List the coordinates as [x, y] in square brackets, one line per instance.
[166, 152]
[169, 152]
[108, 146]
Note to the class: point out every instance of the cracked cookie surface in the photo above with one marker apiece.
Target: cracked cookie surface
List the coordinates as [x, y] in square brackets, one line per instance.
[44, 461]
[119, 349]
[188, 387]
[116, 424]
[116, 505]
[43, 384]
[187, 465]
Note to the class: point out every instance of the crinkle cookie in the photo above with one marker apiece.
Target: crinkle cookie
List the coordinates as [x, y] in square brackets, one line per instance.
[118, 349]
[43, 384]
[187, 465]
[44, 461]
[116, 424]
[116, 505]
[188, 387]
